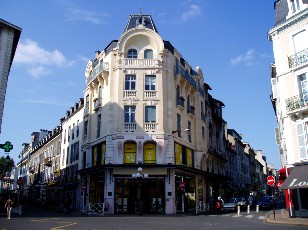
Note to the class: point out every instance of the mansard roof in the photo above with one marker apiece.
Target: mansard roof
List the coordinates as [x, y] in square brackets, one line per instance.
[136, 20]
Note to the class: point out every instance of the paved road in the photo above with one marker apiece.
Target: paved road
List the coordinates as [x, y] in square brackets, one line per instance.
[231, 221]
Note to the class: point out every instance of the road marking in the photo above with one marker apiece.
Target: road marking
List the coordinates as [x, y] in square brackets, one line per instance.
[236, 216]
[62, 227]
[249, 216]
[261, 217]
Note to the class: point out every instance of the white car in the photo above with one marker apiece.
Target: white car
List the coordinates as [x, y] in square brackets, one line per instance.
[241, 202]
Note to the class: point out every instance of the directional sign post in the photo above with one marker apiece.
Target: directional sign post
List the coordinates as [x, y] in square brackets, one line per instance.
[270, 180]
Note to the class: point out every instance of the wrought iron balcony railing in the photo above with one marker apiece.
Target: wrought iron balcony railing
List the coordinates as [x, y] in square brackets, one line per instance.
[297, 102]
[298, 59]
[180, 70]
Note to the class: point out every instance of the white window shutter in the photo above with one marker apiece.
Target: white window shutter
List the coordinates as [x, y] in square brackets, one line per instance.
[301, 141]
[274, 87]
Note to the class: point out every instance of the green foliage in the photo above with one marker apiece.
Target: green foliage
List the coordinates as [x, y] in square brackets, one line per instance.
[6, 166]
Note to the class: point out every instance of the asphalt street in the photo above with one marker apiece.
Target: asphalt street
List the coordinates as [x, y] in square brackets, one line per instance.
[231, 221]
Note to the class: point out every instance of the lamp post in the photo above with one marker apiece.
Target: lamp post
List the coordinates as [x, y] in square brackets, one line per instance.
[139, 177]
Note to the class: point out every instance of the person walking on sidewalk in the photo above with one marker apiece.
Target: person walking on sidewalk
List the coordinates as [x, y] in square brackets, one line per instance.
[8, 206]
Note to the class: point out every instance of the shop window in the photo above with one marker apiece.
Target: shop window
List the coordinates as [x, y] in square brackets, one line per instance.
[103, 151]
[149, 155]
[183, 155]
[130, 150]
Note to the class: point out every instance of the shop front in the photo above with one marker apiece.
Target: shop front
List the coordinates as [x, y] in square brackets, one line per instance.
[139, 195]
[296, 186]
[185, 186]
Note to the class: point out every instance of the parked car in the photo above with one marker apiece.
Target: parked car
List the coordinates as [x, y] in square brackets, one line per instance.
[230, 204]
[241, 202]
[266, 202]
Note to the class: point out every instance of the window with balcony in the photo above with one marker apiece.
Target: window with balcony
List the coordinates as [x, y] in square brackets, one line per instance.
[148, 54]
[150, 114]
[130, 82]
[129, 114]
[150, 82]
[132, 53]
[130, 86]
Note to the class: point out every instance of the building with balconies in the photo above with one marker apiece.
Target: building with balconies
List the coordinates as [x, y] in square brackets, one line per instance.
[289, 79]
[145, 106]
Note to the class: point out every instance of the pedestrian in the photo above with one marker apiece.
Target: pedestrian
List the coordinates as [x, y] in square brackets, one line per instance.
[8, 206]
[219, 205]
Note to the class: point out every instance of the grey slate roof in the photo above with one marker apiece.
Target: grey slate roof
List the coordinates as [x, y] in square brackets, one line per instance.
[140, 19]
[281, 11]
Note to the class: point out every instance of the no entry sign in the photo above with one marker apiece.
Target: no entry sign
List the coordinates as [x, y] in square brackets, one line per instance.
[182, 185]
[270, 180]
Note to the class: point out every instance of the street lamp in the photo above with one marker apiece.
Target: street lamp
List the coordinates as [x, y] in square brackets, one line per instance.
[139, 176]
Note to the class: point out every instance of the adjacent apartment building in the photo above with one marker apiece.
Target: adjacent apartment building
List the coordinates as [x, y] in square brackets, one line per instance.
[289, 79]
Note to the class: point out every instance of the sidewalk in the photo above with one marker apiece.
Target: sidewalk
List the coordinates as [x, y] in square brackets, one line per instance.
[282, 217]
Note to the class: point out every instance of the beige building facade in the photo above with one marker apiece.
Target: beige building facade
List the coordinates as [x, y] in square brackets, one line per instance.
[145, 106]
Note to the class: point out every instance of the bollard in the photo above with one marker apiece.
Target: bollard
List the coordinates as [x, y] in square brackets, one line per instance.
[248, 208]
[20, 210]
[257, 208]
[238, 210]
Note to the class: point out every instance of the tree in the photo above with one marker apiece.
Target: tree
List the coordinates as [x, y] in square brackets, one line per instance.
[6, 165]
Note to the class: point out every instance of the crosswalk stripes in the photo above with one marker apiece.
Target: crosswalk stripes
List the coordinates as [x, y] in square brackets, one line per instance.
[243, 216]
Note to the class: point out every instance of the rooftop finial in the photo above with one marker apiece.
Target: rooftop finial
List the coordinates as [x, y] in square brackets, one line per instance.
[140, 10]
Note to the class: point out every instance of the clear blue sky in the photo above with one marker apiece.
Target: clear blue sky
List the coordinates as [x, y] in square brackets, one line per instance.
[227, 39]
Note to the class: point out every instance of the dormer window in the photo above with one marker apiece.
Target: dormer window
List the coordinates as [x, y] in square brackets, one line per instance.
[132, 53]
[295, 6]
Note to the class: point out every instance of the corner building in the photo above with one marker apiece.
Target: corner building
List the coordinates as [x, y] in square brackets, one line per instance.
[146, 107]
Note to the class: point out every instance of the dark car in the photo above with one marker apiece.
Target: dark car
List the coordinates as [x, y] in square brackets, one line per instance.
[266, 202]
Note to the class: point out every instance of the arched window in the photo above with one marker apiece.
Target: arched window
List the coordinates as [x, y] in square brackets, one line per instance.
[149, 154]
[130, 149]
[148, 54]
[132, 53]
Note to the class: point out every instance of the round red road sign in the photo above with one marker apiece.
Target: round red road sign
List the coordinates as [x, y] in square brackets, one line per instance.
[182, 185]
[270, 180]
[84, 187]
